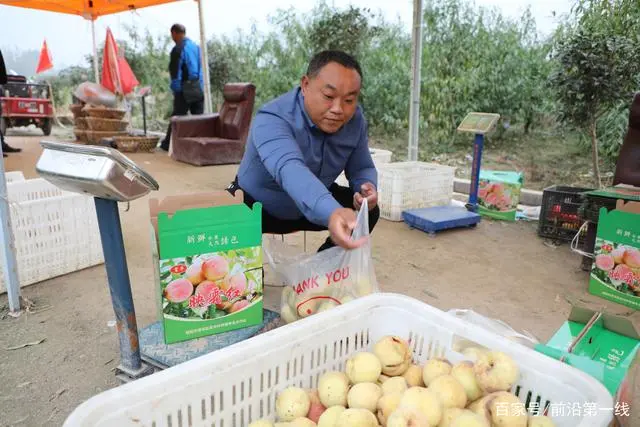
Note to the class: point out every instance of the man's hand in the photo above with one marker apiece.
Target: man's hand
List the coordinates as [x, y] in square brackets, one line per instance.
[368, 191]
[341, 223]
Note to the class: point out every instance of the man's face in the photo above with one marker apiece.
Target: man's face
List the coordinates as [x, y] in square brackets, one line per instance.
[331, 97]
[176, 37]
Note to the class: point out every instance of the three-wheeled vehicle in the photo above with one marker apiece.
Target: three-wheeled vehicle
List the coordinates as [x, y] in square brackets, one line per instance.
[25, 103]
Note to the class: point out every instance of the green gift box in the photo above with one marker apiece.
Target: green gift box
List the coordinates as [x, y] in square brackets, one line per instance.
[604, 346]
[615, 274]
[207, 264]
[499, 194]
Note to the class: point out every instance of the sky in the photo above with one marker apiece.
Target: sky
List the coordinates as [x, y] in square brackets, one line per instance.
[69, 37]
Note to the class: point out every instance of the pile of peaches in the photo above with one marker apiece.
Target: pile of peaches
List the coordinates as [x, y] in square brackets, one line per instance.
[384, 388]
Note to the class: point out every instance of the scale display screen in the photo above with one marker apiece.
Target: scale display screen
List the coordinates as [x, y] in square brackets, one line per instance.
[479, 123]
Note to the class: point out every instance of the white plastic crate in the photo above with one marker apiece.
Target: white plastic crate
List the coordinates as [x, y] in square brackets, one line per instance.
[13, 176]
[239, 384]
[411, 185]
[379, 157]
[55, 232]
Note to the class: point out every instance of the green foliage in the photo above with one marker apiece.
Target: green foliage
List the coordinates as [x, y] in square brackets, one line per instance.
[594, 71]
[348, 30]
[597, 70]
[474, 59]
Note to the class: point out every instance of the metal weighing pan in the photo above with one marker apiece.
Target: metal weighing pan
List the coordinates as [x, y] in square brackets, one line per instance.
[100, 171]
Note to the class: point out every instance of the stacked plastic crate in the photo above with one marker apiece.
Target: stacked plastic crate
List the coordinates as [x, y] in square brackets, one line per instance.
[55, 232]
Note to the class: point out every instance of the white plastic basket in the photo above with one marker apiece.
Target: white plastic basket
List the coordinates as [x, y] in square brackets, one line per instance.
[378, 155]
[55, 232]
[13, 176]
[410, 185]
[239, 384]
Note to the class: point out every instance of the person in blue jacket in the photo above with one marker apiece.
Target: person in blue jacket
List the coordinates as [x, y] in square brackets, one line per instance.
[185, 68]
[298, 145]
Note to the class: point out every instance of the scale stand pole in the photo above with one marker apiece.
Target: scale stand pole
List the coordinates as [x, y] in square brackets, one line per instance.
[120, 288]
[478, 144]
[144, 115]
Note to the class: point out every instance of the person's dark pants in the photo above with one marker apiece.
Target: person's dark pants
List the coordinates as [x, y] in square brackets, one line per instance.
[6, 148]
[273, 225]
[181, 108]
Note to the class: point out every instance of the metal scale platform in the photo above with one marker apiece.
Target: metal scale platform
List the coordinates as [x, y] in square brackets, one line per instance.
[110, 177]
[434, 219]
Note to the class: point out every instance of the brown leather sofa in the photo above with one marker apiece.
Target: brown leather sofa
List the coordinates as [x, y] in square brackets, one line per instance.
[219, 138]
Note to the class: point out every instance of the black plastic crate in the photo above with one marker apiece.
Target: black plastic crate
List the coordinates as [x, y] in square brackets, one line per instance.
[560, 217]
[591, 205]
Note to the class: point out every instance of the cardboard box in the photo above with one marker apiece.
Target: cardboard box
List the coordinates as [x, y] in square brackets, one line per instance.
[207, 264]
[604, 346]
[499, 194]
[615, 274]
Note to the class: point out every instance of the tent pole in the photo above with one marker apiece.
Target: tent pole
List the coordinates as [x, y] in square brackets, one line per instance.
[10, 266]
[205, 61]
[416, 65]
[95, 49]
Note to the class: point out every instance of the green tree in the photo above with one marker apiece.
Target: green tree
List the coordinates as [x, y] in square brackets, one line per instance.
[348, 30]
[597, 67]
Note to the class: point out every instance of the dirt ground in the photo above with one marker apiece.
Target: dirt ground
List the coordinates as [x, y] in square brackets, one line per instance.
[502, 270]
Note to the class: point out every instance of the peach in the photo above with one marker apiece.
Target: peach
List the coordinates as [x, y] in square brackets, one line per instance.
[617, 255]
[435, 368]
[239, 282]
[239, 305]
[317, 408]
[205, 288]
[215, 268]
[394, 354]
[292, 403]
[413, 376]
[632, 258]
[178, 291]
[605, 262]
[194, 273]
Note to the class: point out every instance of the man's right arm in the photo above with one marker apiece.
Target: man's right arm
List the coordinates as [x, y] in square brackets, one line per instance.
[275, 142]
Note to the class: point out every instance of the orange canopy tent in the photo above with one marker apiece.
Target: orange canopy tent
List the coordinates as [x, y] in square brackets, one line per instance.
[93, 9]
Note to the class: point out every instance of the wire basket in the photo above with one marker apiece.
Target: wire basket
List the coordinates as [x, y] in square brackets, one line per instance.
[412, 185]
[133, 144]
[106, 125]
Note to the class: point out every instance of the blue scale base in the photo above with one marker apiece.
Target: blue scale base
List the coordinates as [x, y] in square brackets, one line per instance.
[161, 355]
[440, 218]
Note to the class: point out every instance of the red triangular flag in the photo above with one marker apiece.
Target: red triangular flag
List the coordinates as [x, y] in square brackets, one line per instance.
[117, 75]
[44, 62]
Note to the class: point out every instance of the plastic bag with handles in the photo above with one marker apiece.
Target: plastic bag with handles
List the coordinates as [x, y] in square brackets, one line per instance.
[96, 94]
[317, 282]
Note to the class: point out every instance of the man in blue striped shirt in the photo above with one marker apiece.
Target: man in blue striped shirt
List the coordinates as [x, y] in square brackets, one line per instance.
[298, 145]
